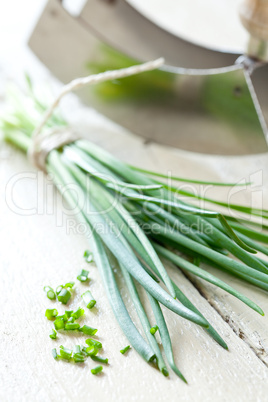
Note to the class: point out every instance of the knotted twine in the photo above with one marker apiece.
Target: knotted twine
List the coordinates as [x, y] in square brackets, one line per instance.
[44, 141]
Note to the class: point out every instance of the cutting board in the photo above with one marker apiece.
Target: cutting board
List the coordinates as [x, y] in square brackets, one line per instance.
[44, 246]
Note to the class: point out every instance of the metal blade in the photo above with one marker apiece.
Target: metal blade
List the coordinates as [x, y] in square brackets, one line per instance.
[121, 26]
[259, 79]
[208, 111]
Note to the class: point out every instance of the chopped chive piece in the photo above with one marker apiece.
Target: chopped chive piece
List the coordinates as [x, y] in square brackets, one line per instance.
[88, 299]
[154, 329]
[69, 285]
[77, 349]
[83, 276]
[50, 292]
[64, 296]
[79, 358]
[51, 313]
[53, 334]
[78, 355]
[123, 351]
[51, 295]
[84, 351]
[88, 256]
[64, 317]
[54, 353]
[99, 359]
[78, 313]
[65, 353]
[97, 370]
[71, 326]
[92, 351]
[71, 319]
[59, 323]
[69, 313]
[88, 330]
[93, 342]
[59, 289]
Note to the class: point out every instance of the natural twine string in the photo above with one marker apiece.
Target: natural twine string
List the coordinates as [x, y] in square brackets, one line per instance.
[43, 142]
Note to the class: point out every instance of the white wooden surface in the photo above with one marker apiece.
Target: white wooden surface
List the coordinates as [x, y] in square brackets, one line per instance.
[39, 249]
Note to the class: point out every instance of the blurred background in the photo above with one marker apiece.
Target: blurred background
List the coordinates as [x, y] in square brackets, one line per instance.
[17, 20]
[186, 19]
[68, 39]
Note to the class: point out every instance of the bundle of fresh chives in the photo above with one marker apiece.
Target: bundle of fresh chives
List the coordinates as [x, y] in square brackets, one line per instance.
[123, 200]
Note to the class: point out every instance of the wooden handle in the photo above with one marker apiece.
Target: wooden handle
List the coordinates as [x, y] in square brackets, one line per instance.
[254, 17]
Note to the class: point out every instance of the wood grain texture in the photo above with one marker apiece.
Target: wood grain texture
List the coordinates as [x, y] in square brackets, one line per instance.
[41, 249]
[47, 248]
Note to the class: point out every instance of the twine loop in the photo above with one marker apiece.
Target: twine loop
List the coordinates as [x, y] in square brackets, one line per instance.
[44, 142]
[42, 145]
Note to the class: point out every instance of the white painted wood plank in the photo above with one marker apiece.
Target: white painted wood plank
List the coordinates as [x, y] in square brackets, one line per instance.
[36, 251]
[246, 323]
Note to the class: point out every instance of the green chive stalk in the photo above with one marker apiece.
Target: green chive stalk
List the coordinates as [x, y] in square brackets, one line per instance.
[123, 200]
